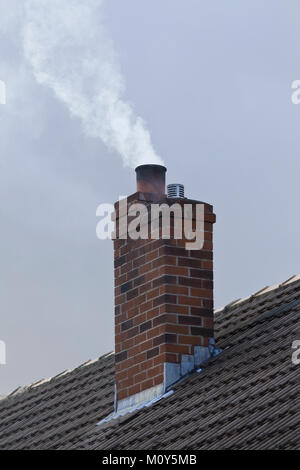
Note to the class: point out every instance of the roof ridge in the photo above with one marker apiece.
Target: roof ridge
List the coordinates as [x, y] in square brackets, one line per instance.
[264, 290]
[25, 388]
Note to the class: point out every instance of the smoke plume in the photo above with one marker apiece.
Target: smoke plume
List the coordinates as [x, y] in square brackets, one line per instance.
[70, 52]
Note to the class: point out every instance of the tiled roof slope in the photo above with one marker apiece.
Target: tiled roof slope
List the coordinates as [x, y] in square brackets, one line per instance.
[247, 397]
[51, 414]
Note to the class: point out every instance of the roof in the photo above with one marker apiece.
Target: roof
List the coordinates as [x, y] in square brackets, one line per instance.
[247, 397]
[59, 410]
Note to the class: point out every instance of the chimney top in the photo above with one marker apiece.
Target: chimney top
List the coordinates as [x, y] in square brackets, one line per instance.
[151, 179]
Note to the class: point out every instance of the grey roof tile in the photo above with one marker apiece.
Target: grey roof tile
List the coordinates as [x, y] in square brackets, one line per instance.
[58, 410]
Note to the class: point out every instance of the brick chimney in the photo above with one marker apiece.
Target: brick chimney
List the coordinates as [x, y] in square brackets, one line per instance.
[163, 296]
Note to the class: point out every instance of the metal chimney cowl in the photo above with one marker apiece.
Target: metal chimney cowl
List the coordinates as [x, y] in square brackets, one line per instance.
[175, 191]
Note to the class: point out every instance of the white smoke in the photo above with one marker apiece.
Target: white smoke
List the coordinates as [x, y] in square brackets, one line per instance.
[70, 52]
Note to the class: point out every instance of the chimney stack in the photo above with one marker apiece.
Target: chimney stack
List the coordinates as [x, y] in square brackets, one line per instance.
[163, 298]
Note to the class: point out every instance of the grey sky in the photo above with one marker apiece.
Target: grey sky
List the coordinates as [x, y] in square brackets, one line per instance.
[212, 79]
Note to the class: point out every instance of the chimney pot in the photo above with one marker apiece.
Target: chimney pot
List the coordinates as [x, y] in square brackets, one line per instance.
[151, 179]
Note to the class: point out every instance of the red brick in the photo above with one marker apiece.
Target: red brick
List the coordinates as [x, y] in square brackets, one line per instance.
[133, 312]
[202, 254]
[208, 303]
[126, 268]
[158, 370]
[122, 375]
[147, 345]
[208, 236]
[140, 338]
[174, 348]
[131, 304]
[190, 282]
[178, 329]
[127, 383]
[165, 357]
[195, 340]
[128, 343]
[171, 357]
[126, 325]
[134, 370]
[190, 320]
[140, 377]
[145, 268]
[165, 299]
[207, 284]
[180, 309]
[175, 271]
[208, 245]
[158, 380]
[169, 289]
[164, 261]
[151, 256]
[127, 364]
[134, 351]
[147, 384]
[208, 322]
[152, 352]
[140, 319]
[207, 265]
[153, 293]
[146, 326]
[123, 394]
[152, 275]
[146, 306]
[152, 313]
[204, 293]
[133, 332]
[165, 338]
[164, 318]
[140, 358]
[199, 273]
[120, 318]
[132, 274]
[121, 356]
[200, 331]
[203, 312]
[120, 299]
[147, 364]
[133, 390]
[196, 301]
[144, 288]
[155, 331]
